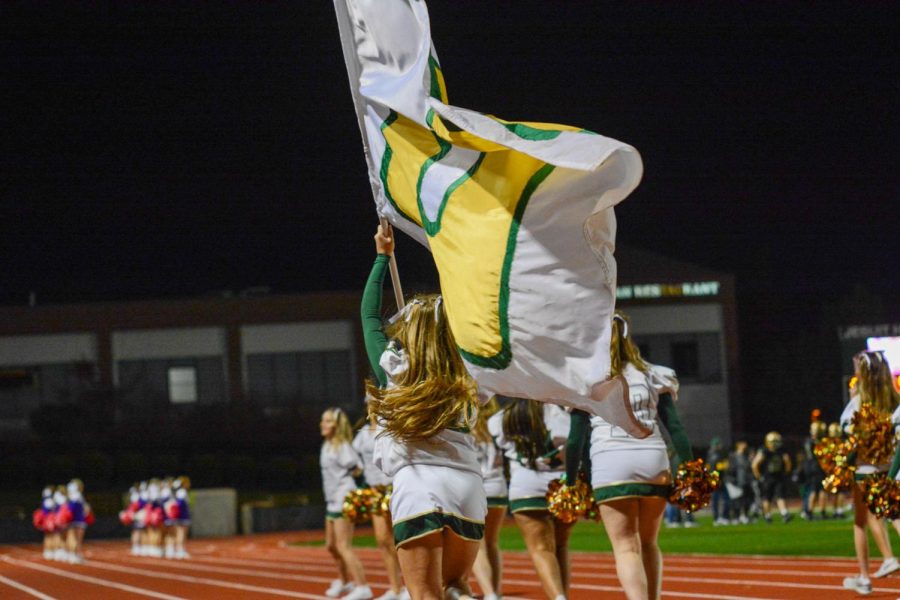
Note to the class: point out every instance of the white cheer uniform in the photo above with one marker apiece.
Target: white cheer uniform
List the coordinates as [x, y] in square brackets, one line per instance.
[491, 459]
[623, 466]
[337, 461]
[364, 444]
[528, 486]
[437, 482]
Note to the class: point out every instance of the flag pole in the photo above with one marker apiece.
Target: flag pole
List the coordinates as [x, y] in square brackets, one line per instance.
[395, 274]
[345, 27]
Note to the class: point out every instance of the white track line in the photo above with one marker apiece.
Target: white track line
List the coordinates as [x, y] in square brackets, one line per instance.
[89, 579]
[25, 588]
[205, 581]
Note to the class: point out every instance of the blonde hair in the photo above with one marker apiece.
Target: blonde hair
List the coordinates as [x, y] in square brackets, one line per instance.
[435, 392]
[622, 349]
[875, 382]
[485, 412]
[343, 432]
[523, 425]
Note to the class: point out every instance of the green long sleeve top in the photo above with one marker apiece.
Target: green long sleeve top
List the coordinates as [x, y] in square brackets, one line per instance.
[895, 464]
[370, 312]
[579, 440]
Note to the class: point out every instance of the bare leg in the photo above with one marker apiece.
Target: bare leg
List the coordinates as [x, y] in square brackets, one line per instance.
[620, 517]
[561, 533]
[860, 519]
[458, 557]
[537, 529]
[649, 521]
[384, 537]
[488, 567]
[420, 562]
[331, 546]
[343, 540]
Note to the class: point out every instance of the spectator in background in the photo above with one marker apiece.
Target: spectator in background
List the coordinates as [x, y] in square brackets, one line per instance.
[739, 481]
[717, 458]
[772, 466]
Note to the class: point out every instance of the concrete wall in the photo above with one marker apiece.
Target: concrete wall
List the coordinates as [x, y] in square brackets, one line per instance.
[213, 512]
[24, 350]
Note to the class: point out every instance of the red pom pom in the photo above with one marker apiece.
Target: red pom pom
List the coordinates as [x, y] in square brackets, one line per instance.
[38, 519]
[63, 516]
[154, 517]
[126, 517]
[89, 518]
[172, 510]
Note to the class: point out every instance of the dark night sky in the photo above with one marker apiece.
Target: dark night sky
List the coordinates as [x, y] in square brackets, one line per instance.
[171, 149]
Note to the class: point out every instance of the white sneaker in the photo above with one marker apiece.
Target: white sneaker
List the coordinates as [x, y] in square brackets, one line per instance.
[389, 595]
[404, 594]
[48, 554]
[887, 567]
[360, 592]
[861, 585]
[338, 588]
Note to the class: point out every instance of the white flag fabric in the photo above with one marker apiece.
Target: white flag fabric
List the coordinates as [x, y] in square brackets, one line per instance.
[518, 215]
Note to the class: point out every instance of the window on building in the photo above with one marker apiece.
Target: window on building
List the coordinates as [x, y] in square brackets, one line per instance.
[696, 357]
[182, 385]
[282, 380]
[163, 381]
[686, 359]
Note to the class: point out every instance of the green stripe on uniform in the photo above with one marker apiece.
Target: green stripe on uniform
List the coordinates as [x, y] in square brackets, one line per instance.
[411, 529]
[523, 504]
[498, 502]
[629, 490]
[331, 516]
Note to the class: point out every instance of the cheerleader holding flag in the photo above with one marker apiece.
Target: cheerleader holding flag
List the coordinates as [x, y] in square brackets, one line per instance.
[425, 401]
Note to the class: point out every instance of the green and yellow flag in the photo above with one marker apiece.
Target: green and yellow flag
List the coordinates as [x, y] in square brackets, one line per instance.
[518, 215]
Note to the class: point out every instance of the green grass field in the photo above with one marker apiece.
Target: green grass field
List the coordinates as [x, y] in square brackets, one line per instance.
[798, 537]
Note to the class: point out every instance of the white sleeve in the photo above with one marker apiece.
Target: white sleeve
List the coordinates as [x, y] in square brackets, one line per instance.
[849, 411]
[348, 458]
[895, 419]
[357, 443]
[557, 420]
[663, 380]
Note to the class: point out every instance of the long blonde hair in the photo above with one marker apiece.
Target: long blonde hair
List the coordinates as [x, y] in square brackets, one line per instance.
[485, 412]
[343, 431]
[874, 383]
[622, 349]
[435, 392]
[523, 425]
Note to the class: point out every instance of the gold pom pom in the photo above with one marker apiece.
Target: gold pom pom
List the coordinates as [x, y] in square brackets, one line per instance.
[383, 506]
[694, 485]
[360, 504]
[834, 455]
[568, 503]
[875, 435]
[882, 496]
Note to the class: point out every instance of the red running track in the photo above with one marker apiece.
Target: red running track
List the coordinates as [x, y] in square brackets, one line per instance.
[265, 566]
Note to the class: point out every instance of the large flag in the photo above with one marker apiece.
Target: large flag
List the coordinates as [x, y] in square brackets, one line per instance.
[518, 215]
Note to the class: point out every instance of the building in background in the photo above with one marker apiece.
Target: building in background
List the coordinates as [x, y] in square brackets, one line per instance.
[685, 317]
[276, 352]
[879, 336]
[283, 353]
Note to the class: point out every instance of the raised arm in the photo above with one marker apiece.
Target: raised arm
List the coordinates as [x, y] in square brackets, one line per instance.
[669, 417]
[370, 309]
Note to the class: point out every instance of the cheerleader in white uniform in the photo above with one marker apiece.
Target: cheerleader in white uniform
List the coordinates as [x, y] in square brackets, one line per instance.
[425, 401]
[631, 476]
[873, 387]
[488, 568]
[533, 438]
[364, 444]
[340, 464]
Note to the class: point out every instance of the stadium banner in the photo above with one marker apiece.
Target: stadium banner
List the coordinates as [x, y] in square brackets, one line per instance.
[518, 215]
